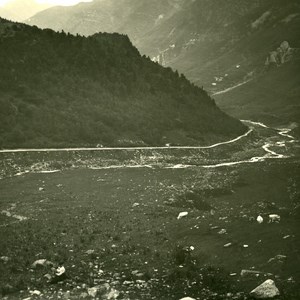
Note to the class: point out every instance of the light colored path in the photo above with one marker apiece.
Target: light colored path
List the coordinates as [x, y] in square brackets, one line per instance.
[126, 148]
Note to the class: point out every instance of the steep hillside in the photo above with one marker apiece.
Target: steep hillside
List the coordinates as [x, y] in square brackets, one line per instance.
[60, 89]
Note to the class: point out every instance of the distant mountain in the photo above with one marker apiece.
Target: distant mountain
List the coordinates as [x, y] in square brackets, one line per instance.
[216, 44]
[20, 10]
[132, 17]
[272, 96]
[57, 89]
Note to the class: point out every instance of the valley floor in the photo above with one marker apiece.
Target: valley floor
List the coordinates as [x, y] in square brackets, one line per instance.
[111, 217]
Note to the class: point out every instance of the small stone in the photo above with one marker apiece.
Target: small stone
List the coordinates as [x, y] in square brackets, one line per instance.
[41, 263]
[274, 218]
[227, 245]
[93, 291]
[4, 258]
[83, 295]
[48, 276]
[259, 219]
[182, 214]
[35, 292]
[250, 273]
[279, 258]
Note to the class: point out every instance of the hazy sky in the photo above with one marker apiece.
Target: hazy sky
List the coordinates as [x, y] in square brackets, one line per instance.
[51, 2]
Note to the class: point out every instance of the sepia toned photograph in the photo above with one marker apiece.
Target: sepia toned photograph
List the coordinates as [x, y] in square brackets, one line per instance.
[149, 149]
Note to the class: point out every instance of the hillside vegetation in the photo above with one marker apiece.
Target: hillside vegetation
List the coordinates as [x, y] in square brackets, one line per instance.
[57, 89]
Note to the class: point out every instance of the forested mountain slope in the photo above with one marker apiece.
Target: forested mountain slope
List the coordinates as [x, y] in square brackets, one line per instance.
[57, 89]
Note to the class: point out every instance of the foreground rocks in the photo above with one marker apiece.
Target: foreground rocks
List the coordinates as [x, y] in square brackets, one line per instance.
[266, 290]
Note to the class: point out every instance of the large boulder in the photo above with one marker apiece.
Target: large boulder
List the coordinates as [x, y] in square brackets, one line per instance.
[266, 290]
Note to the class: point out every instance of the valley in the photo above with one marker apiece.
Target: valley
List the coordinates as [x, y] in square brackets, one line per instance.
[150, 150]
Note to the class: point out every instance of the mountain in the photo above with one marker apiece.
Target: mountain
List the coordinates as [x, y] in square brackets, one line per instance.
[20, 10]
[57, 89]
[216, 44]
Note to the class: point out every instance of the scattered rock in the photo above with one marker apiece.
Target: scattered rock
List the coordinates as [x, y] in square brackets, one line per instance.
[112, 294]
[93, 291]
[187, 298]
[274, 218]
[41, 189]
[227, 245]
[48, 276]
[89, 252]
[4, 258]
[259, 219]
[60, 274]
[83, 295]
[42, 263]
[35, 293]
[279, 258]
[222, 231]
[266, 290]
[135, 204]
[98, 290]
[60, 271]
[245, 273]
[182, 214]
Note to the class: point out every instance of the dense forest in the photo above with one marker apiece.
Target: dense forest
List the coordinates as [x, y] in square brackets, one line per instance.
[57, 89]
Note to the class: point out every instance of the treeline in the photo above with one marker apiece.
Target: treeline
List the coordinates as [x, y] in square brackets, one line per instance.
[57, 89]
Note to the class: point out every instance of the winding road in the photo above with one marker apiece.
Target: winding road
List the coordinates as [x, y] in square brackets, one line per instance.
[269, 153]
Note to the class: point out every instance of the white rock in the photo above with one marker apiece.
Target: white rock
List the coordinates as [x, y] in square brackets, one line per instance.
[182, 214]
[112, 294]
[259, 219]
[266, 290]
[274, 218]
[4, 258]
[250, 273]
[187, 298]
[93, 291]
[41, 262]
[60, 270]
[35, 292]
